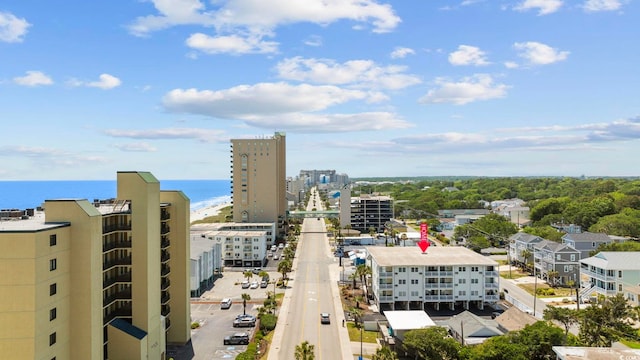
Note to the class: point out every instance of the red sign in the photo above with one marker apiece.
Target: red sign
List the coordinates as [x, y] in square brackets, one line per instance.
[424, 239]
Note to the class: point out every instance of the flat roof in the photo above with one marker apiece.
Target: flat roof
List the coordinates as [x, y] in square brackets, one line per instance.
[408, 319]
[434, 256]
[595, 353]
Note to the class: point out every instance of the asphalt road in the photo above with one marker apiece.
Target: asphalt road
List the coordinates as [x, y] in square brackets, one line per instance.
[310, 294]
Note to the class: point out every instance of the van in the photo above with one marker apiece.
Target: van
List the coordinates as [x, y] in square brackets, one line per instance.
[225, 303]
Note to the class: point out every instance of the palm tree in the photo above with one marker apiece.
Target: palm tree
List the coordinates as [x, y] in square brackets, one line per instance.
[248, 274]
[552, 276]
[385, 353]
[363, 271]
[262, 274]
[305, 351]
[245, 298]
[284, 267]
[526, 254]
[357, 315]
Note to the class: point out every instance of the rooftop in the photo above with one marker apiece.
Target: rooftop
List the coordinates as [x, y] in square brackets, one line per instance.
[593, 353]
[618, 260]
[408, 319]
[435, 255]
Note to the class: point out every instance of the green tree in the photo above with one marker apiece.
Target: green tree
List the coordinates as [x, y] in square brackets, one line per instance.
[477, 243]
[496, 348]
[385, 353]
[245, 297]
[539, 338]
[248, 274]
[431, 343]
[606, 321]
[362, 271]
[284, 267]
[564, 316]
[305, 351]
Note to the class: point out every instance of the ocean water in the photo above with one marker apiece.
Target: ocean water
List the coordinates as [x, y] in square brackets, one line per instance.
[31, 194]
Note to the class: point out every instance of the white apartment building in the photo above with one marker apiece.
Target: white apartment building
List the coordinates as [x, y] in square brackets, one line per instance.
[205, 264]
[404, 278]
[611, 273]
[242, 248]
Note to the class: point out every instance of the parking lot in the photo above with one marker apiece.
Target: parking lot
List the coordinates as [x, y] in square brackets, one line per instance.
[216, 323]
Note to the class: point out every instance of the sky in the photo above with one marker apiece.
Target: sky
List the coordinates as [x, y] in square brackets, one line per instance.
[369, 88]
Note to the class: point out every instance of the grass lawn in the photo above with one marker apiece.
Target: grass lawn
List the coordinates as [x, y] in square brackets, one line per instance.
[515, 274]
[632, 344]
[557, 292]
[367, 336]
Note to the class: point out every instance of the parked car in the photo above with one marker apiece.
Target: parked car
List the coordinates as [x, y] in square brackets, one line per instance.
[274, 248]
[245, 284]
[324, 318]
[225, 303]
[264, 284]
[244, 321]
[276, 257]
[256, 270]
[281, 246]
[254, 285]
[237, 339]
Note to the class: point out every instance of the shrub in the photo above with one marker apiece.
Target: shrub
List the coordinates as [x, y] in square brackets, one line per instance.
[268, 322]
[195, 325]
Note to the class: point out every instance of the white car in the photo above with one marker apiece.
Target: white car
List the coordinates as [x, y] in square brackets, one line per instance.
[254, 285]
[281, 246]
[276, 257]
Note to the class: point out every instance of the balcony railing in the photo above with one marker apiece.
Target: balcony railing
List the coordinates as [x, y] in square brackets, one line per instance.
[165, 215]
[121, 312]
[165, 270]
[165, 257]
[120, 295]
[165, 298]
[116, 227]
[164, 229]
[116, 245]
[165, 243]
[124, 278]
[116, 262]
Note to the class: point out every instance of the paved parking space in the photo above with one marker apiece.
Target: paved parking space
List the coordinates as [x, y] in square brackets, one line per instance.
[228, 286]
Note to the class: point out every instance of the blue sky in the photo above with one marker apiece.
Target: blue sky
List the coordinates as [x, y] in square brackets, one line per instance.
[365, 87]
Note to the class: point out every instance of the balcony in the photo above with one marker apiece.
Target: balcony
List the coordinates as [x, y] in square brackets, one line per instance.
[165, 243]
[164, 229]
[165, 215]
[120, 295]
[166, 309]
[165, 256]
[385, 273]
[431, 285]
[116, 262]
[164, 284]
[165, 270]
[385, 299]
[165, 298]
[120, 312]
[124, 278]
[110, 245]
[386, 286]
[116, 227]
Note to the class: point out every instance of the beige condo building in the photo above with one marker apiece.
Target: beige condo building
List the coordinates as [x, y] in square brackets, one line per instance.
[259, 186]
[102, 280]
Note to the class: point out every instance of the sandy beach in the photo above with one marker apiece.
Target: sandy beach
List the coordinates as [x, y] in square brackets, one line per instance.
[208, 211]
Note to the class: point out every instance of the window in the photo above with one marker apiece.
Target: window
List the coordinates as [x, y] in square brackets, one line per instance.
[474, 292]
[573, 257]
[619, 273]
[474, 281]
[402, 269]
[414, 269]
[473, 268]
[53, 264]
[53, 289]
[462, 281]
[619, 287]
[52, 314]
[402, 293]
[462, 292]
[415, 293]
[52, 339]
[462, 268]
[402, 281]
[558, 257]
[593, 244]
[414, 281]
[52, 240]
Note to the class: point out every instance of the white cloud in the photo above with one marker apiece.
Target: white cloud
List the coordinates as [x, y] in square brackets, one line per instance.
[136, 147]
[233, 44]
[33, 78]
[401, 52]
[12, 28]
[544, 7]
[105, 82]
[242, 23]
[313, 40]
[536, 53]
[331, 123]
[511, 65]
[601, 5]
[468, 55]
[358, 73]
[476, 88]
[263, 99]
[202, 135]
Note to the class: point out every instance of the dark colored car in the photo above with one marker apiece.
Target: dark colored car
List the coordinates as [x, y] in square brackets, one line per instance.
[237, 339]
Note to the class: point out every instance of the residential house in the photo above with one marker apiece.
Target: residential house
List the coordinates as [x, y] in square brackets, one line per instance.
[521, 244]
[614, 272]
[557, 263]
[470, 329]
[586, 242]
